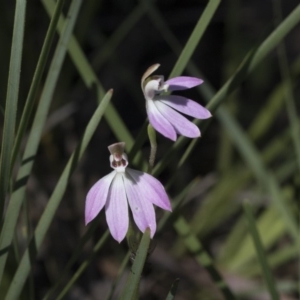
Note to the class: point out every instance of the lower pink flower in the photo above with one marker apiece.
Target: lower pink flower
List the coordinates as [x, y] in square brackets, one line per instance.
[123, 186]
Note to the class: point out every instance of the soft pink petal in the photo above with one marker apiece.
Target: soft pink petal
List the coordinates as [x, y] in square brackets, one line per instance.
[97, 196]
[182, 83]
[142, 209]
[151, 189]
[159, 122]
[186, 106]
[182, 125]
[116, 209]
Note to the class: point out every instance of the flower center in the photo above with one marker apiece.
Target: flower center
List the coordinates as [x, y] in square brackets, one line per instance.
[118, 161]
[155, 85]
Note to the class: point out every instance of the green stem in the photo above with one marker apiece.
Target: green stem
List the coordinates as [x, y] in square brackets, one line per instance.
[153, 144]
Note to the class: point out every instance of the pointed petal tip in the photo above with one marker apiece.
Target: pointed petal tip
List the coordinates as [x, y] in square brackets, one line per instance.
[88, 217]
[168, 135]
[118, 237]
[87, 220]
[174, 139]
[119, 240]
[169, 208]
[206, 114]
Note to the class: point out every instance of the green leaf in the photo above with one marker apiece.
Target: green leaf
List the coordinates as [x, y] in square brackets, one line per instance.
[11, 100]
[30, 101]
[132, 285]
[195, 37]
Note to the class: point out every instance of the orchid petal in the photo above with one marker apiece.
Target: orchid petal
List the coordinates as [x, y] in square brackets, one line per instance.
[182, 125]
[159, 122]
[142, 209]
[182, 83]
[185, 106]
[97, 196]
[151, 189]
[116, 209]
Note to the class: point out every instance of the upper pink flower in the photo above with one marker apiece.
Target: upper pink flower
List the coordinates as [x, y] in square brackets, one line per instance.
[141, 190]
[162, 109]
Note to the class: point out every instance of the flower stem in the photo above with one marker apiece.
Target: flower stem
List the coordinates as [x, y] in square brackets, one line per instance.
[152, 139]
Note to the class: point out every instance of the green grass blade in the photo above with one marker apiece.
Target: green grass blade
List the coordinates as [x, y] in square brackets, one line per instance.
[49, 212]
[12, 95]
[290, 100]
[30, 101]
[172, 293]
[195, 37]
[203, 258]
[132, 286]
[280, 257]
[260, 252]
[34, 138]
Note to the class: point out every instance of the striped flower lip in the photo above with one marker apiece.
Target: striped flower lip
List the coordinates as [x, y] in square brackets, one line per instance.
[163, 110]
[123, 186]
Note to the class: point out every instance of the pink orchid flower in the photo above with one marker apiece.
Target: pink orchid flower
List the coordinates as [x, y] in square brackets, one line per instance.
[163, 109]
[140, 189]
